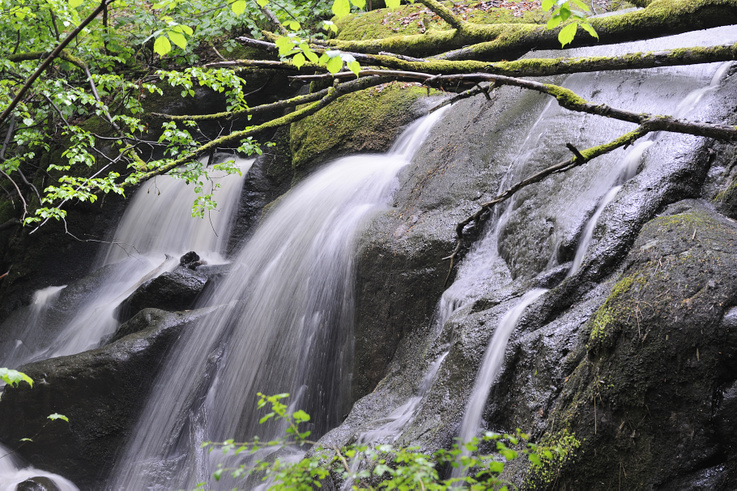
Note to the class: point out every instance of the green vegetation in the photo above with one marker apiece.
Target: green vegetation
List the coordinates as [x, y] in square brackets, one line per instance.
[373, 467]
[78, 80]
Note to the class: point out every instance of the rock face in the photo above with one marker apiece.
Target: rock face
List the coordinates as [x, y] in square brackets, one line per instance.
[171, 290]
[627, 363]
[100, 391]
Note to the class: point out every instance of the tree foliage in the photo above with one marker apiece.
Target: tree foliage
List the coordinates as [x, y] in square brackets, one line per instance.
[76, 74]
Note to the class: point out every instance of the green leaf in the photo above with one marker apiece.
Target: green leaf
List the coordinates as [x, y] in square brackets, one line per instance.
[587, 27]
[535, 459]
[14, 377]
[566, 35]
[354, 66]
[293, 25]
[554, 22]
[496, 467]
[392, 4]
[239, 6]
[298, 60]
[25, 440]
[262, 3]
[183, 29]
[334, 64]
[582, 5]
[285, 45]
[178, 39]
[564, 12]
[547, 4]
[162, 45]
[341, 8]
[359, 3]
[55, 416]
[309, 53]
[301, 416]
[75, 3]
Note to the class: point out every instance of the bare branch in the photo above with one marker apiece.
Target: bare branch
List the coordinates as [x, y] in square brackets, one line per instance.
[445, 13]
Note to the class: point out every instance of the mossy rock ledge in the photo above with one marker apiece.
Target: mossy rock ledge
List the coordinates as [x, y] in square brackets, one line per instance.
[366, 121]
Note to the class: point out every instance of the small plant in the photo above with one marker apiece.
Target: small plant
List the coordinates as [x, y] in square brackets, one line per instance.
[375, 467]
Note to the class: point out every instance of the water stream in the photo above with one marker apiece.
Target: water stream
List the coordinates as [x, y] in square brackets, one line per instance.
[285, 326]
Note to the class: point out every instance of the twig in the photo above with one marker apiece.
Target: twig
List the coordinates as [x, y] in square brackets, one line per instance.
[566, 165]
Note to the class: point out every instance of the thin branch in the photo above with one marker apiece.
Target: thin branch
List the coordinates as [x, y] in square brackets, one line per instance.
[333, 94]
[20, 195]
[47, 62]
[272, 18]
[575, 161]
[445, 13]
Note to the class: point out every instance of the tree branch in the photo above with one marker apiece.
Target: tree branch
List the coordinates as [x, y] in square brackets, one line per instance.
[575, 161]
[333, 94]
[445, 13]
[493, 42]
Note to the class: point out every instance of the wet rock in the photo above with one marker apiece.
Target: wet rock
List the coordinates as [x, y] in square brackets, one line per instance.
[99, 391]
[175, 290]
[190, 260]
[651, 398]
[39, 483]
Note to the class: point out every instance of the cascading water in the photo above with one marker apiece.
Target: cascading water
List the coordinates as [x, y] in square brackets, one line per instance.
[12, 473]
[575, 205]
[610, 181]
[136, 254]
[284, 326]
[155, 230]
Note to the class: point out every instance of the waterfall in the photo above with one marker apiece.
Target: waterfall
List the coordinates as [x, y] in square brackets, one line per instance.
[609, 182]
[12, 473]
[156, 228]
[284, 325]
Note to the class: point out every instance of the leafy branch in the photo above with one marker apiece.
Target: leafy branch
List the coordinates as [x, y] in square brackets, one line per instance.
[480, 461]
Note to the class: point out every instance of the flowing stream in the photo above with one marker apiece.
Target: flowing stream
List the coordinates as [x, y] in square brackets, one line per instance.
[285, 325]
[155, 230]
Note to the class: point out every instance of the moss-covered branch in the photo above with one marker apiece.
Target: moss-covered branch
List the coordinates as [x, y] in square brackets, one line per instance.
[570, 100]
[577, 160]
[285, 104]
[492, 42]
[444, 13]
[537, 67]
[333, 93]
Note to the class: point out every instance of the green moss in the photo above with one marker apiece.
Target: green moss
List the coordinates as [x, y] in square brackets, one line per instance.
[418, 19]
[363, 121]
[555, 451]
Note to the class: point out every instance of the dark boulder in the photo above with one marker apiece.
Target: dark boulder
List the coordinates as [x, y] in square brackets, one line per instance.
[100, 391]
[172, 291]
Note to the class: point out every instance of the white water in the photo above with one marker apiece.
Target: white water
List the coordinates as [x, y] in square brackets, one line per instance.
[629, 165]
[155, 230]
[483, 266]
[286, 326]
[13, 472]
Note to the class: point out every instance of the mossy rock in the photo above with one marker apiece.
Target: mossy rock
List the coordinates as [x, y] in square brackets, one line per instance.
[648, 398]
[366, 121]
